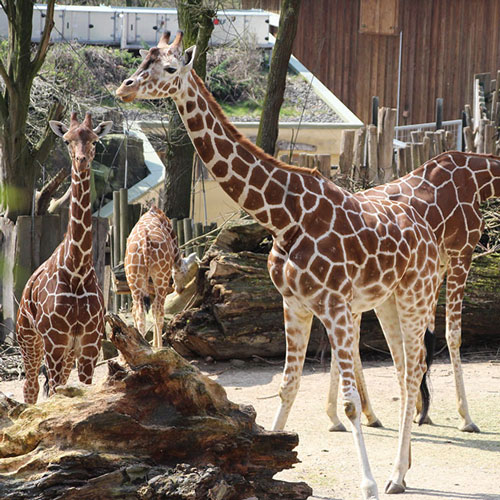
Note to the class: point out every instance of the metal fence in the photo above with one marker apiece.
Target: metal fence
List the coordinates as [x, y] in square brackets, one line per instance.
[403, 132]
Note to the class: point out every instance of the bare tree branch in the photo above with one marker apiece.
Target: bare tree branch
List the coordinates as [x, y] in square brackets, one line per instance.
[37, 62]
[46, 142]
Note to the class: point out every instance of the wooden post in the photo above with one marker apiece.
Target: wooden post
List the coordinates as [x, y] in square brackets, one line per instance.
[346, 153]
[469, 140]
[372, 154]
[449, 140]
[188, 234]
[415, 155]
[359, 152]
[385, 137]
[426, 149]
[417, 136]
[468, 116]
[324, 163]
[180, 232]
[116, 228]
[489, 138]
[432, 143]
[174, 224]
[124, 230]
[479, 138]
[199, 246]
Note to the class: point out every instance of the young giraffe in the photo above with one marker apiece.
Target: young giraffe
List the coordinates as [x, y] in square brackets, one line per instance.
[334, 255]
[152, 258]
[447, 192]
[61, 313]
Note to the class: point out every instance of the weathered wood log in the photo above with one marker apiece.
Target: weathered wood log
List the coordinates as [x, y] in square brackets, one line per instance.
[156, 428]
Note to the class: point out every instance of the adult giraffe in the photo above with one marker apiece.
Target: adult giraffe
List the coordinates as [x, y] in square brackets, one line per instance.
[61, 313]
[447, 192]
[152, 258]
[334, 255]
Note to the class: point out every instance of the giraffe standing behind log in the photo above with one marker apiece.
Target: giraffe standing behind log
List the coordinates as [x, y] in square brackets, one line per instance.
[61, 313]
[447, 192]
[334, 255]
[152, 259]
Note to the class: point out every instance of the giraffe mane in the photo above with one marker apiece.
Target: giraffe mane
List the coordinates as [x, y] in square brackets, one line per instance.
[244, 141]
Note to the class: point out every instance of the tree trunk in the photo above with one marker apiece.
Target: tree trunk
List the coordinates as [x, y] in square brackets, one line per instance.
[157, 428]
[19, 160]
[197, 23]
[268, 127]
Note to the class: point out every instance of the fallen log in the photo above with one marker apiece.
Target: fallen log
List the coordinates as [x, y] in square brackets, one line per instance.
[156, 428]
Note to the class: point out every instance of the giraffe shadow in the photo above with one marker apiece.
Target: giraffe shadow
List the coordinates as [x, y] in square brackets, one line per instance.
[452, 495]
[491, 443]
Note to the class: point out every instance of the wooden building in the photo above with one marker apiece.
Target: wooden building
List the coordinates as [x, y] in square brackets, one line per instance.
[362, 48]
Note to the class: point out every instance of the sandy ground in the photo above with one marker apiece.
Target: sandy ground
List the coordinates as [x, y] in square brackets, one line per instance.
[447, 464]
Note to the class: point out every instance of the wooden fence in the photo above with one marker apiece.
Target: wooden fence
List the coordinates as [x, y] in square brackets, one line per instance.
[482, 120]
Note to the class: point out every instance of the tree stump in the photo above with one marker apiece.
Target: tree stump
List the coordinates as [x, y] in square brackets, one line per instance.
[156, 428]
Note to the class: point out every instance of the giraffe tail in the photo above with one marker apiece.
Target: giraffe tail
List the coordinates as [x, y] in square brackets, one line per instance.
[430, 343]
[43, 371]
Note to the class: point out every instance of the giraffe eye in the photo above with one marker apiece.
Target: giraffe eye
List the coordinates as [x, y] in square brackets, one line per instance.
[67, 143]
[170, 69]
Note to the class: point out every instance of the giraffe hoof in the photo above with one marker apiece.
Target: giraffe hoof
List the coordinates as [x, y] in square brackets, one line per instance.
[393, 488]
[472, 427]
[340, 427]
[375, 423]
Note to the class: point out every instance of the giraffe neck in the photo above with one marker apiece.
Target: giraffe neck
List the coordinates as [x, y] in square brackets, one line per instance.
[259, 183]
[78, 240]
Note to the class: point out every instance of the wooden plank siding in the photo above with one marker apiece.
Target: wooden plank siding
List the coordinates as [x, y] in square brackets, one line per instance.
[444, 43]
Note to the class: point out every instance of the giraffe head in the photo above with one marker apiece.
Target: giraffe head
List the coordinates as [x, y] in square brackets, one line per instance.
[185, 272]
[161, 73]
[81, 138]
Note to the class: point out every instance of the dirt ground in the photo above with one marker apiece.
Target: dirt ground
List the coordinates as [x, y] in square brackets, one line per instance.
[447, 464]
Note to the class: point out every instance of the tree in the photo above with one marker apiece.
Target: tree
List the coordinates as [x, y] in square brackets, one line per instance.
[196, 20]
[20, 160]
[268, 127]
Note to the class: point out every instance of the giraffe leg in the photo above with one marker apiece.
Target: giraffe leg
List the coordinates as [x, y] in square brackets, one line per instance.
[414, 354]
[157, 309]
[331, 406]
[298, 322]
[87, 353]
[57, 347]
[68, 363]
[371, 418]
[340, 328]
[138, 311]
[458, 270]
[31, 345]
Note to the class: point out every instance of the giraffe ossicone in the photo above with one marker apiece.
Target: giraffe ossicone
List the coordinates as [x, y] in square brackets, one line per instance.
[335, 254]
[61, 312]
[152, 260]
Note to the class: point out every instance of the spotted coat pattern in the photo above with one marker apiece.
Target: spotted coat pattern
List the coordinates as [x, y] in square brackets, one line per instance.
[447, 192]
[334, 255]
[61, 313]
[152, 258]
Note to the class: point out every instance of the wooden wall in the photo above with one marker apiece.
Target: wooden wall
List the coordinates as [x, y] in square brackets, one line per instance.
[444, 43]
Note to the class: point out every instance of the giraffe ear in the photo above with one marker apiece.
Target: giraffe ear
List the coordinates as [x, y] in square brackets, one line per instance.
[189, 56]
[143, 53]
[58, 128]
[103, 128]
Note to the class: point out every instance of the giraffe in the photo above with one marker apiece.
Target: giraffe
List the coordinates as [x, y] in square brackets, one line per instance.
[152, 257]
[61, 312]
[447, 192]
[334, 254]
